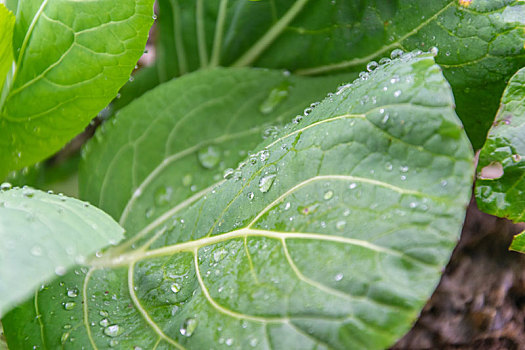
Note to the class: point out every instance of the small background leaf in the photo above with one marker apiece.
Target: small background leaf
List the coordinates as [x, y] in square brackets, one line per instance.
[42, 236]
[505, 149]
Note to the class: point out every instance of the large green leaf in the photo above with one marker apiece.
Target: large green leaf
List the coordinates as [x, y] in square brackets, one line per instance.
[332, 235]
[71, 59]
[7, 22]
[504, 196]
[481, 43]
[42, 236]
[183, 135]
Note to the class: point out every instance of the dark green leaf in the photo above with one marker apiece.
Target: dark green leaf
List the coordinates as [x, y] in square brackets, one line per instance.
[502, 192]
[481, 43]
[331, 236]
[42, 236]
[71, 59]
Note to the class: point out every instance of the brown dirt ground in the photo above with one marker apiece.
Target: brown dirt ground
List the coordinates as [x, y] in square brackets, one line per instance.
[480, 301]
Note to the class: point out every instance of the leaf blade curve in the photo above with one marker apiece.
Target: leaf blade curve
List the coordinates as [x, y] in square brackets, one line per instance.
[43, 235]
[375, 204]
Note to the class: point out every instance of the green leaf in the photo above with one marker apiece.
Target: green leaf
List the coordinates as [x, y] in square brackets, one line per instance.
[7, 22]
[42, 236]
[71, 59]
[518, 243]
[502, 194]
[481, 43]
[181, 123]
[332, 235]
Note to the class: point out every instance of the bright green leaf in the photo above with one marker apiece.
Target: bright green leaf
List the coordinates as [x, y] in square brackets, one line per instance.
[71, 59]
[42, 236]
[481, 43]
[7, 21]
[332, 235]
[518, 243]
[500, 189]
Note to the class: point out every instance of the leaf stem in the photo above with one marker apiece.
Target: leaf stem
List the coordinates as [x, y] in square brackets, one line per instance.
[177, 33]
[257, 49]
[201, 35]
[219, 31]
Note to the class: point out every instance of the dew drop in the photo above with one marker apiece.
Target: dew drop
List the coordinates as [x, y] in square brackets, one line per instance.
[385, 118]
[328, 194]
[70, 305]
[5, 186]
[27, 192]
[516, 157]
[307, 111]
[276, 96]
[397, 93]
[251, 195]
[338, 277]
[64, 337]
[209, 157]
[396, 53]
[371, 66]
[266, 182]
[113, 343]
[434, 51]
[264, 155]
[352, 185]
[175, 287]
[364, 75]
[188, 327]
[384, 60]
[340, 225]
[72, 293]
[104, 322]
[297, 119]
[113, 330]
[228, 173]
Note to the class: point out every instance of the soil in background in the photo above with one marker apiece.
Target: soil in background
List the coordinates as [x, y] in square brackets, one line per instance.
[480, 301]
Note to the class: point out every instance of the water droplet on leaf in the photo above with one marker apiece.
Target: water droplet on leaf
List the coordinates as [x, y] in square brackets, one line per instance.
[209, 157]
[188, 327]
[113, 330]
[266, 182]
[276, 96]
